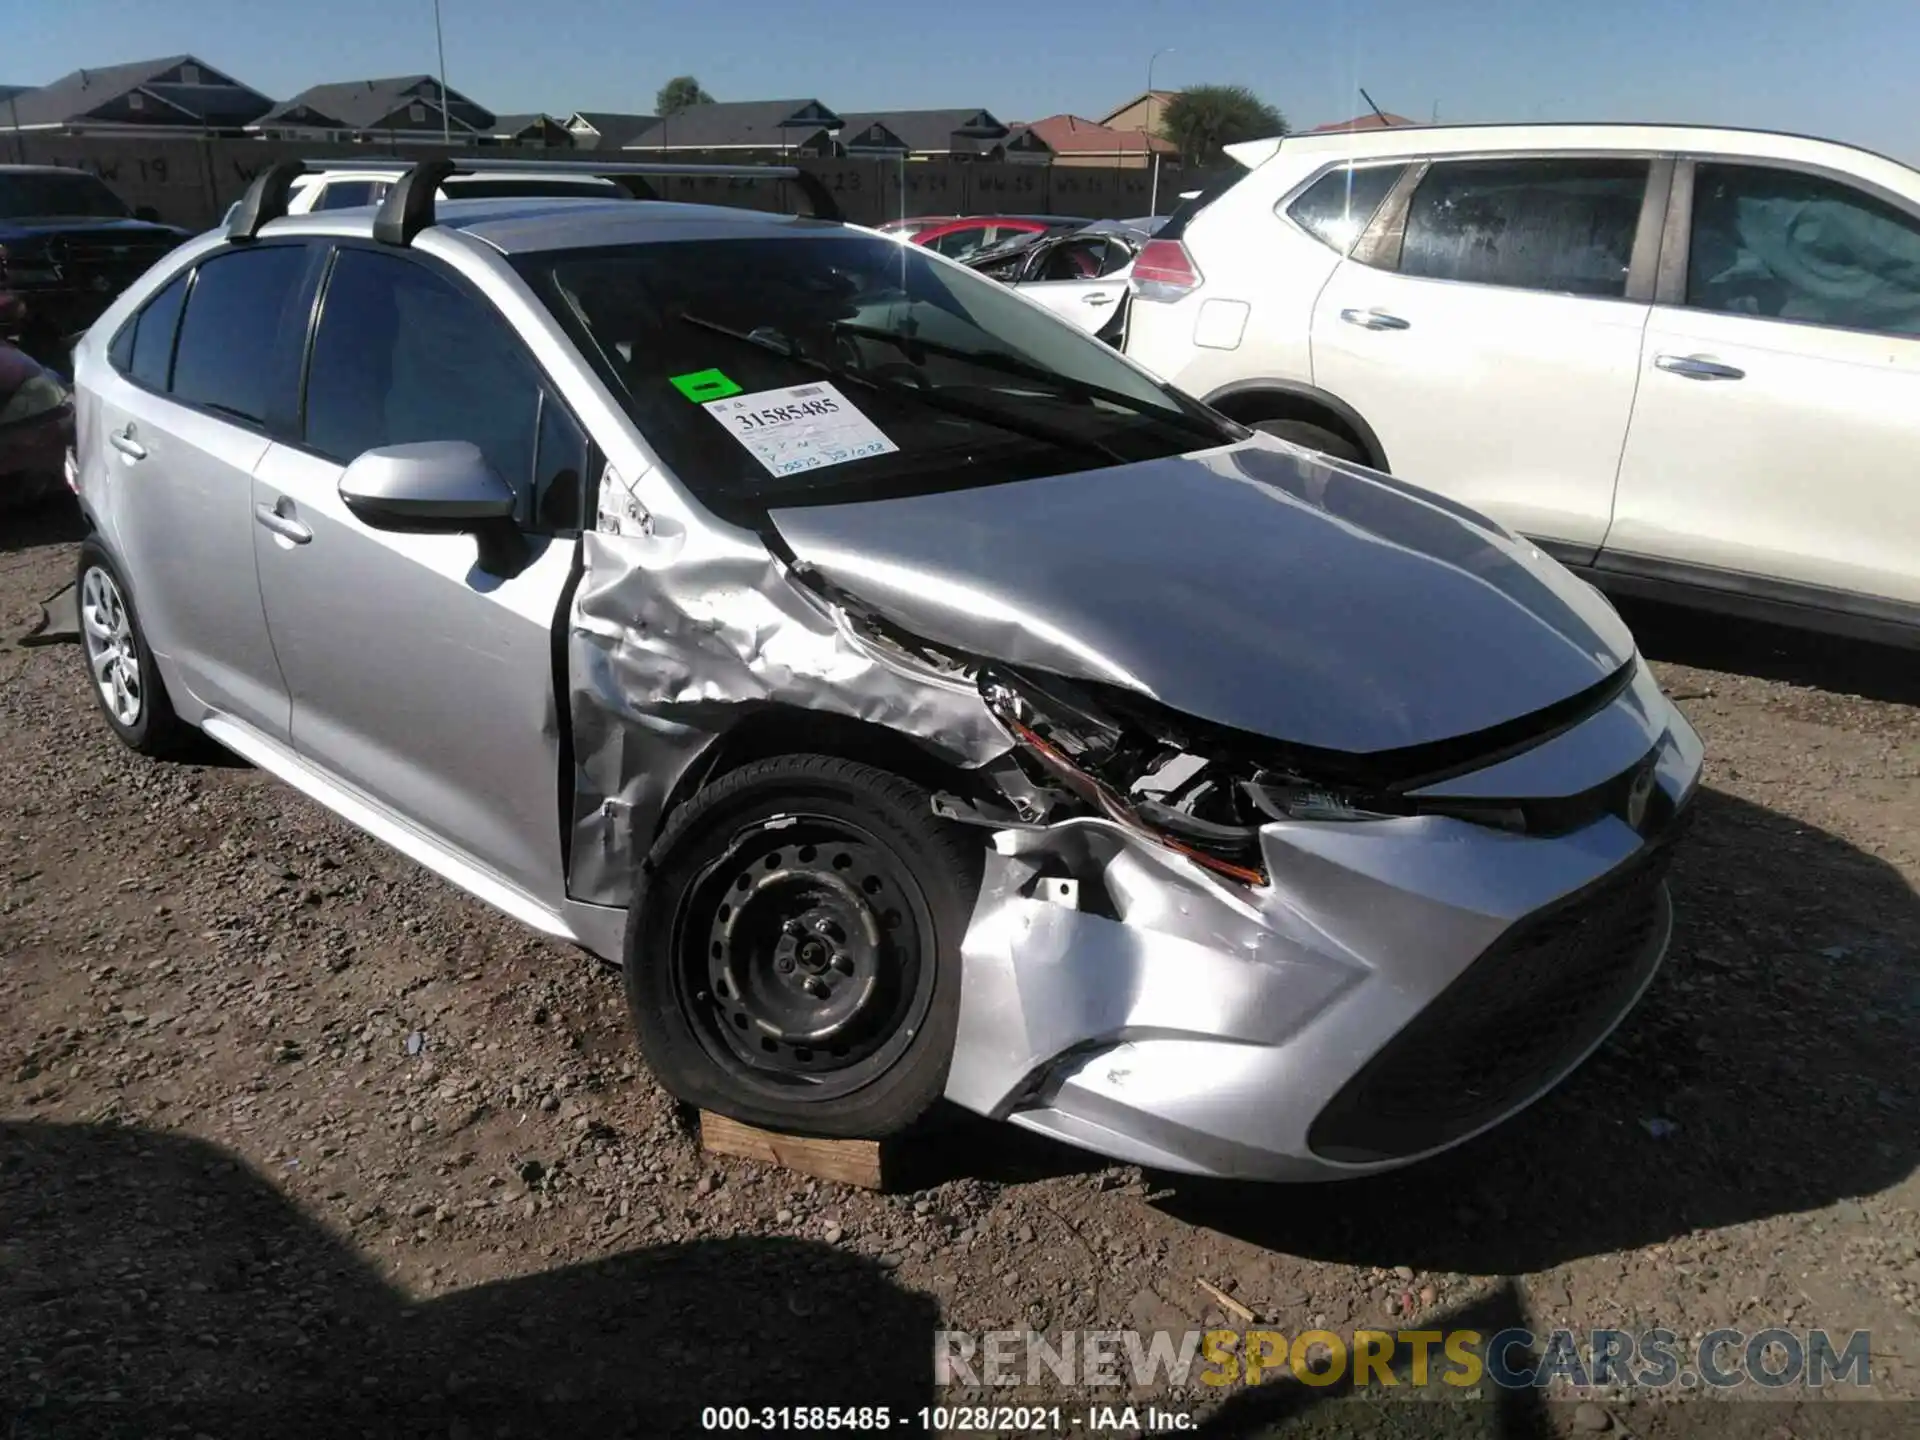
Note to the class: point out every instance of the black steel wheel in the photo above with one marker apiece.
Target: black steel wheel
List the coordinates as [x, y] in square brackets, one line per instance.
[793, 955]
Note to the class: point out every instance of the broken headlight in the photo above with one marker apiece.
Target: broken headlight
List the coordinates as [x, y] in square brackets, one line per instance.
[1157, 782]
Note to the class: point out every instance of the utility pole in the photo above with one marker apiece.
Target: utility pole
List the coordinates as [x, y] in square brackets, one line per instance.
[1146, 136]
[439, 40]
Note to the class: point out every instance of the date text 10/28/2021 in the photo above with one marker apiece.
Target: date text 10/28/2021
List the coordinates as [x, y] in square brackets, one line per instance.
[1052, 1420]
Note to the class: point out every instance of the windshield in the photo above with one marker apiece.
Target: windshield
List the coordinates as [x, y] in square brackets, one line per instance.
[829, 366]
[42, 195]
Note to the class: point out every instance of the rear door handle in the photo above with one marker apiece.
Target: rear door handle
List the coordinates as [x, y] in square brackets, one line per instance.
[1374, 320]
[1697, 367]
[1096, 299]
[283, 525]
[123, 441]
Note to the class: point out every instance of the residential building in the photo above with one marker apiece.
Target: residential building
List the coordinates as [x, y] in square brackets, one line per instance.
[1144, 112]
[1075, 140]
[1370, 121]
[535, 129]
[744, 130]
[405, 107]
[925, 134]
[607, 129]
[144, 97]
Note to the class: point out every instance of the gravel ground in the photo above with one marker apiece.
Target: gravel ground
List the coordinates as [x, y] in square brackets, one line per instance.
[292, 1134]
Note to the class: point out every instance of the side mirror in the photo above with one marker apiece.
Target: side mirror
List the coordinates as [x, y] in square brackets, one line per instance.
[146, 213]
[433, 485]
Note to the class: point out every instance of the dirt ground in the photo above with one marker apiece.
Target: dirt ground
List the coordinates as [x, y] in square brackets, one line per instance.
[297, 1139]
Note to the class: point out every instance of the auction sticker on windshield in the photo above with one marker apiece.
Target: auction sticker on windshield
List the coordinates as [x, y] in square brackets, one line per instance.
[802, 427]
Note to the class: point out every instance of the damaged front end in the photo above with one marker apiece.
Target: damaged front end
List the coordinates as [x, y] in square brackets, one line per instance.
[1198, 956]
[1210, 936]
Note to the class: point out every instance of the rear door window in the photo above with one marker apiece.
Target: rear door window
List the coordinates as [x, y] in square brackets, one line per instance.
[1337, 207]
[241, 305]
[1561, 224]
[143, 352]
[1784, 245]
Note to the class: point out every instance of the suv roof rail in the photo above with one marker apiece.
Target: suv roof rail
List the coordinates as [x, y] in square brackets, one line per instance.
[409, 205]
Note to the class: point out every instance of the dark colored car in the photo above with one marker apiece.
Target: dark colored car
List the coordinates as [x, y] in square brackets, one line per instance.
[68, 246]
[36, 427]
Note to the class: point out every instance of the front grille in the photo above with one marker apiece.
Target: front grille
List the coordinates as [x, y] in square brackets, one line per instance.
[1516, 1018]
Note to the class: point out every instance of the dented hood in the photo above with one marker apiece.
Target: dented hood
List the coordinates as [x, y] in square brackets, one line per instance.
[1258, 586]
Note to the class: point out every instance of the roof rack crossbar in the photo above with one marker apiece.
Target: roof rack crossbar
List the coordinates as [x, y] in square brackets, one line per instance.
[409, 206]
[266, 198]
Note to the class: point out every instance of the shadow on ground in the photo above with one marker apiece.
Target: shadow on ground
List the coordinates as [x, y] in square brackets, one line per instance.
[1778, 1041]
[54, 522]
[1772, 652]
[151, 1284]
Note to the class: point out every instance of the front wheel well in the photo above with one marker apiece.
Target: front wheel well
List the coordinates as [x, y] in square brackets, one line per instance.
[1248, 406]
[788, 730]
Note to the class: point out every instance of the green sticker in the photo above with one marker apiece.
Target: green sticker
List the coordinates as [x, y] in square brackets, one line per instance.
[705, 385]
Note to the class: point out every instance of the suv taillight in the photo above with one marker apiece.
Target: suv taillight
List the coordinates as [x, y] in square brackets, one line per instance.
[1164, 271]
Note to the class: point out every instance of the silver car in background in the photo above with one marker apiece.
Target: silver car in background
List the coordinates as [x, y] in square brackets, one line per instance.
[917, 698]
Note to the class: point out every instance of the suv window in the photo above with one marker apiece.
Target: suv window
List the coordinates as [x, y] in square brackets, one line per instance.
[1560, 224]
[149, 339]
[344, 194]
[235, 316]
[1784, 245]
[1337, 208]
[403, 355]
[62, 194]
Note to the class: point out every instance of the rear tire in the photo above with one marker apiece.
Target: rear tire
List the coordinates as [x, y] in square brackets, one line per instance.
[1313, 437]
[793, 952]
[126, 684]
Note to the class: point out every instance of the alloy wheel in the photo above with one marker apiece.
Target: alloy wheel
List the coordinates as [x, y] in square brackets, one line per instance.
[106, 631]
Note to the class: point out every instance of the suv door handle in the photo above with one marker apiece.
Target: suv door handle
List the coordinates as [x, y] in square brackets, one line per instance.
[1374, 320]
[283, 525]
[123, 441]
[1696, 367]
[1096, 299]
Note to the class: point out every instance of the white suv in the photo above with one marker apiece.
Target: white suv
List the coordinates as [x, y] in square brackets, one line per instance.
[1684, 360]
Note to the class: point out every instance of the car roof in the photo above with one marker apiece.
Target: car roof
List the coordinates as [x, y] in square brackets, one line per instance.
[1389, 140]
[516, 225]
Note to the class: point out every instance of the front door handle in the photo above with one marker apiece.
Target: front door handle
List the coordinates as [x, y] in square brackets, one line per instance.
[1697, 367]
[282, 523]
[1374, 320]
[123, 441]
[1096, 299]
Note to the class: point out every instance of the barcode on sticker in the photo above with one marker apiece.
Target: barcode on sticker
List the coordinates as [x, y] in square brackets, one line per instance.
[803, 391]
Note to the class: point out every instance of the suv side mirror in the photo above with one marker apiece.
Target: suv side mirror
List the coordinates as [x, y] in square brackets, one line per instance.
[432, 485]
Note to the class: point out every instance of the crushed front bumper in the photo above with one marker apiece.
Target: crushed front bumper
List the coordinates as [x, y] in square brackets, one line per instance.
[1399, 987]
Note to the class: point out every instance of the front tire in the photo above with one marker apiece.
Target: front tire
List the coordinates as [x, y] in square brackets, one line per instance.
[793, 954]
[120, 670]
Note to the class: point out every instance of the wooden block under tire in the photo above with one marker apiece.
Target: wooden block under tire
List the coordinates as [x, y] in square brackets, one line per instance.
[850, 1162]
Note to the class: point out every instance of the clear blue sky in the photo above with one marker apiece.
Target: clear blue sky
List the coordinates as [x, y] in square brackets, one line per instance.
[1841, 68]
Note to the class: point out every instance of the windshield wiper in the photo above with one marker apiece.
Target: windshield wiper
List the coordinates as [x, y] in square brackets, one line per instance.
[784, 347]
[1014, 365]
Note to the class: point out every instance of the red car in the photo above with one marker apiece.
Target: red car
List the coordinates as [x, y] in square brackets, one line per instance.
[36, 427]
[958, 236]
